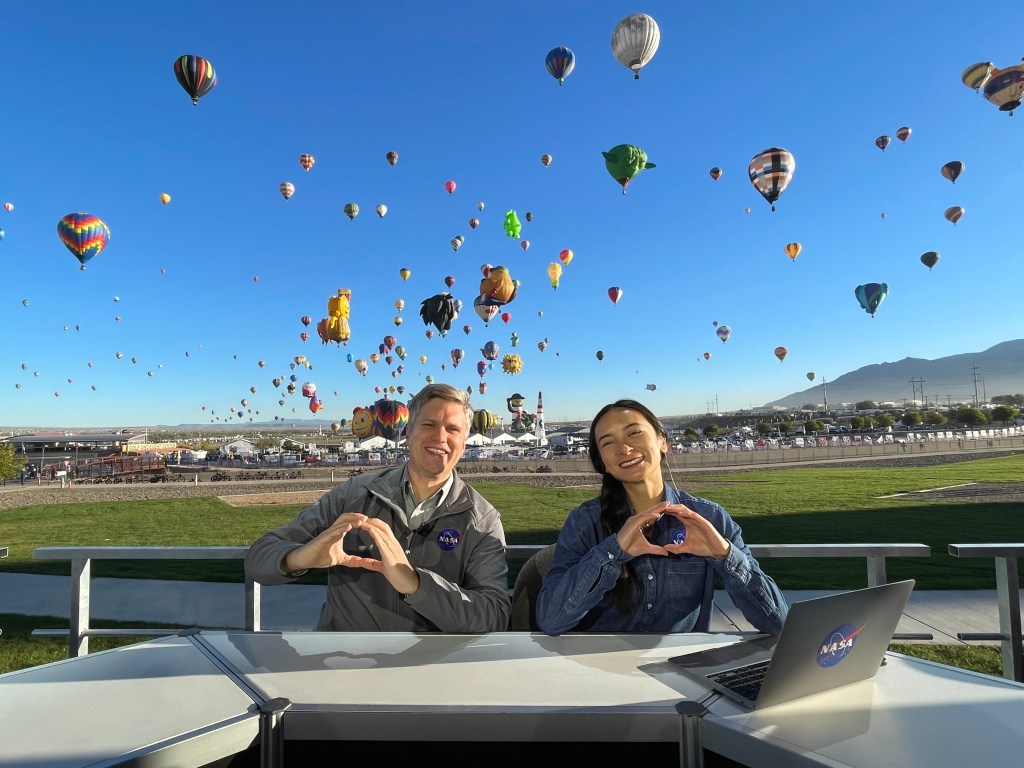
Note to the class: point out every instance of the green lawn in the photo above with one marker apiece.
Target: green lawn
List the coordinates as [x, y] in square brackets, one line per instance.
[815, 505]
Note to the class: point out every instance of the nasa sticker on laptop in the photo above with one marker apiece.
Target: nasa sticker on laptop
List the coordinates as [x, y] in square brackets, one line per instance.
[837, 645]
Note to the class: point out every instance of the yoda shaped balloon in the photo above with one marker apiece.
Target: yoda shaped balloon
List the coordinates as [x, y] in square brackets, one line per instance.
[624, 162]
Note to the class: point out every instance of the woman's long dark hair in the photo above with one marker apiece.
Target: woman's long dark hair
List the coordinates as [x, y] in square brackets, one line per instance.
[614, 503]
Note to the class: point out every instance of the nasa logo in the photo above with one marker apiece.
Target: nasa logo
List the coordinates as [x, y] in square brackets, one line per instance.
[448, 539]
[837, 645]
[680, 536]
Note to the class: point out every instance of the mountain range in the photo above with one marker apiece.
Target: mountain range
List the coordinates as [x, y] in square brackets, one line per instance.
[963, 378]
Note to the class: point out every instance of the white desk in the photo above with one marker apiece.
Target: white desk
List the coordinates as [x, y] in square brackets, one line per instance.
[165, 699]
[188, 701]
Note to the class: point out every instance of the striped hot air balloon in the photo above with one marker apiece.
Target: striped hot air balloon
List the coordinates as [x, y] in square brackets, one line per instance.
[793, 250]
[83, 234]
[560, 62]
[306, 161]
[390, 418]
[771, 171]
[287, 189]
[196, 75]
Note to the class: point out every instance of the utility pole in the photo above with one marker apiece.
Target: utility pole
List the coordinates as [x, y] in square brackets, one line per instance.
[824, 392]
[918, 390]
[974, 375]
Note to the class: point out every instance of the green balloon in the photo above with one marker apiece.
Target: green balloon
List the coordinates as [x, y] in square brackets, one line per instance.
[512, 225]
[624, 162]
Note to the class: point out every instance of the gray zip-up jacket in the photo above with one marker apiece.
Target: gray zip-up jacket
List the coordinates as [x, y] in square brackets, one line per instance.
[459, 555]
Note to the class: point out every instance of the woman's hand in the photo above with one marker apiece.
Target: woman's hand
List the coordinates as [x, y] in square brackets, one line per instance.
[702, 538]
[633, 534]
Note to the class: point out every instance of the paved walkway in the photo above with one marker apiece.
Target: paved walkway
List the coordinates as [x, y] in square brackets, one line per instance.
[296, 606]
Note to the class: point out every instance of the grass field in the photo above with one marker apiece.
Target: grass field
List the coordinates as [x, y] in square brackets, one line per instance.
[812, 505]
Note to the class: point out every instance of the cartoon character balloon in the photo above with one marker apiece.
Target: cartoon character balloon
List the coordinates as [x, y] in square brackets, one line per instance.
[870, 296]
[512, 225]
[770, 172]
[498, 288]
[196, 75]
[624, 162]
[440, 310]
[84, 235]
[554, 273]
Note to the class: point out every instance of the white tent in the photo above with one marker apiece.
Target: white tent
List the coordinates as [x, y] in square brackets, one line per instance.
[503, 439]
[477, 439]
[526, 437]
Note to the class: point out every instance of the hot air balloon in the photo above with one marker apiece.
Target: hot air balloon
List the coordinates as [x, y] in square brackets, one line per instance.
[474, 223]
[456, 242]
[554, 273]
[287, 189]
[525, 245]
[560, 62]
[361, 366]
[615, 293]
[565, 256]
[8, 207]
[457, 355]
[954, 213]
[781, 352]
[512, 225]
[83, 234]
[976, 75]
[306, 161]
[723, 332]
[351, 210]
[771, 171]
[196, 76]
[599, 354]
[506, 317]
[870, 296]
[391, 157]
[952, 170]
[624, 162]
[490, 350]
[882, 142]
[635, 40]
[651, 387]
[449, 280]
[399, 304]
[707, 355]
[440, 310]
[390, 418]
[542, 345]
[306, 320]
[793, 250]
[404, 273]
[498, 287]
[810, 375]
[529, 216]
[484, 310]
[484, 421]
[381, 210]
[165, 198]
[512, 364]
[449, 186]
[903, 133]
[546, 160]
[397, 320]
[929, 259]
[1005, 87]
[716, 173]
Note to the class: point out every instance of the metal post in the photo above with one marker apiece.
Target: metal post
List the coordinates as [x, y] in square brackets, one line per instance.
[1009, 618]
[691, 742]
[271, 733]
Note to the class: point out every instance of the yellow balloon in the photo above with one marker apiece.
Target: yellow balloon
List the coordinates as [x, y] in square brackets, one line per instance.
[165, 198]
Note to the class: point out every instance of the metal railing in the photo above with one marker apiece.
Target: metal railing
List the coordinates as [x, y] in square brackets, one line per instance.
[1008, 594]
[81, 576]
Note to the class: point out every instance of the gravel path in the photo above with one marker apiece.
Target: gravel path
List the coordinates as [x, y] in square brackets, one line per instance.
[307, 490]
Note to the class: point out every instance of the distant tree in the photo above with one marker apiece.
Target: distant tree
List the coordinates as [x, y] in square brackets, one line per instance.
[866, 405]
[1015, 400]
[690, 435]
[710, 430]
[10, 463]
[265, 443]
[764, 428]
[860, 422]
[971, 416]
[912, 419]
[936, 418]
[884, 420]
[1004, 413]
[785, 427]
[813, 425]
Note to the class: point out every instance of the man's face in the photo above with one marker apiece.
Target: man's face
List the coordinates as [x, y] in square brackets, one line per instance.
[438, 439]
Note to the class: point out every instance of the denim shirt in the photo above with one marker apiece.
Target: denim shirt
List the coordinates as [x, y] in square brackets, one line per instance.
[671, 588]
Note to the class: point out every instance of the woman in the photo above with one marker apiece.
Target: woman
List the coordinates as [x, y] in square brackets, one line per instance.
[643, 556]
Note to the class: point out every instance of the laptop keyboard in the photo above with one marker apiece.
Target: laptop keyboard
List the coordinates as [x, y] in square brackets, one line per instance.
[745, 680]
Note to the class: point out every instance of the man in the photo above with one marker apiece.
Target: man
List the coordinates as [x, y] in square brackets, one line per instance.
[409, 548]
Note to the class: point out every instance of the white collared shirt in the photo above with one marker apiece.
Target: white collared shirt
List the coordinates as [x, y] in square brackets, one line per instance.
[422, 512]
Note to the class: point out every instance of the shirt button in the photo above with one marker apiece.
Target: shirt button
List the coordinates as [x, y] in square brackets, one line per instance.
[650, 605]
[650, 577]
[611, 556]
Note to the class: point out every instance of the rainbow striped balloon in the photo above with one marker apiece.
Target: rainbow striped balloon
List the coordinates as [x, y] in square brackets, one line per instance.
[83, 234]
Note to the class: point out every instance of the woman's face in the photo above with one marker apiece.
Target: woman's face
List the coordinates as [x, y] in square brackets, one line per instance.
[630, 447]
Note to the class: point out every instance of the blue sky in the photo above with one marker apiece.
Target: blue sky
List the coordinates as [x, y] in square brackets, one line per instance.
[96, 122]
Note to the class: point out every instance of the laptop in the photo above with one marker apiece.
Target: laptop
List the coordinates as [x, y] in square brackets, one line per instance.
[825, 643]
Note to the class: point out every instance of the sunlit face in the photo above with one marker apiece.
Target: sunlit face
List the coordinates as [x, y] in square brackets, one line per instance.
[630, 447]
[438, 439]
